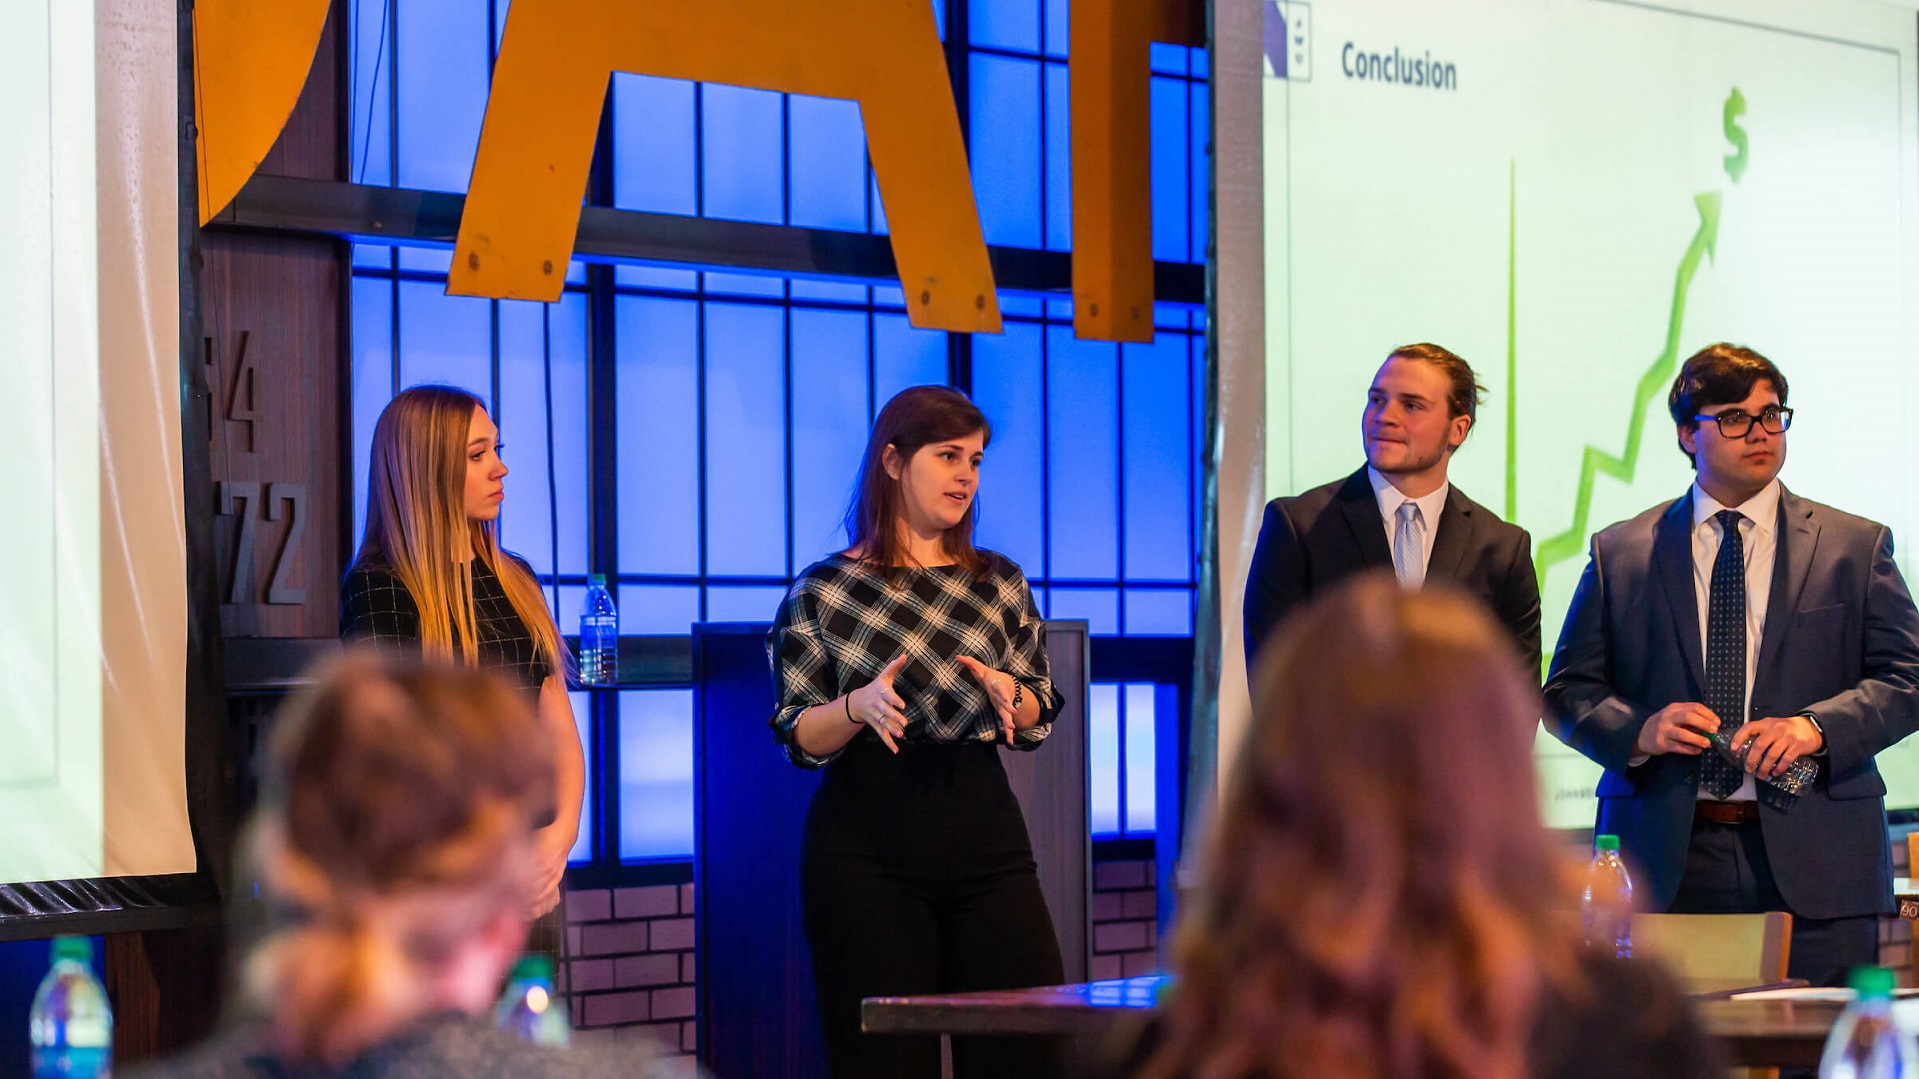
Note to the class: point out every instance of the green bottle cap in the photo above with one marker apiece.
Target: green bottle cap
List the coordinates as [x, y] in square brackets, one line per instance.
[78, 949]
[596, 578]
[1605, 842]
[532, 968]
[1872, 983]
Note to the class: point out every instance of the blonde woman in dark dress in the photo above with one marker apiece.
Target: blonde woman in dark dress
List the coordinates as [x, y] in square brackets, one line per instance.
[430, 579]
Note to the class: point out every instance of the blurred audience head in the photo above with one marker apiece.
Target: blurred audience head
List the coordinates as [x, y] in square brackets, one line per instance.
[394, 845]
[1378, 892]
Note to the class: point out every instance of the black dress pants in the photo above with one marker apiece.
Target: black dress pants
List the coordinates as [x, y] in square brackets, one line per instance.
[917, 876]
[1727, 872]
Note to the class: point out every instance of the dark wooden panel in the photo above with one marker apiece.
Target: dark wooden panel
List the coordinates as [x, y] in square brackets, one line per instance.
[272, 349]
[165, 987]
[756, 1007]
[1051, 784]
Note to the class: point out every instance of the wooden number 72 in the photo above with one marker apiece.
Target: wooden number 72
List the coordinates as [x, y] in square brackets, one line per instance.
[238, 499]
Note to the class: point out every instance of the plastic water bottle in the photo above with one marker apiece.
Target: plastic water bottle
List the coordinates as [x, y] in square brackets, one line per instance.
[1607, 904]
[528, 1007]
[599, 635]
[71, 1024]
[1864, 1043]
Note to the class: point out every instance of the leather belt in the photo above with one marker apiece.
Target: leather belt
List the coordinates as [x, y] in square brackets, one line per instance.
[1726, 812]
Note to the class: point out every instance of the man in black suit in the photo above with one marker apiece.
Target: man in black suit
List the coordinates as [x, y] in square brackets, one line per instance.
[1399, 511]
[1735, 659]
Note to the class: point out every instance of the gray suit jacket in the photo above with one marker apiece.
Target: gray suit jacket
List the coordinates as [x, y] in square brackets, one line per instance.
[1841, 641]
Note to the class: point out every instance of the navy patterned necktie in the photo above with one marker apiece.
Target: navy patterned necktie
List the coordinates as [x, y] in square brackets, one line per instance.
[1726, 654]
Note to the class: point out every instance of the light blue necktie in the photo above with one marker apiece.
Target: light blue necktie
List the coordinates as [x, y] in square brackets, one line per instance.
[1409, 546]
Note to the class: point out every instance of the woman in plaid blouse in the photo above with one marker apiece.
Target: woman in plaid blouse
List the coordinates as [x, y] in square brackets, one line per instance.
[903, 664]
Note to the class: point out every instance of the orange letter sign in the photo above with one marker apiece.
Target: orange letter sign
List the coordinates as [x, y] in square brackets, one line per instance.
[1112, 158]
[250, 60]
[523, 204]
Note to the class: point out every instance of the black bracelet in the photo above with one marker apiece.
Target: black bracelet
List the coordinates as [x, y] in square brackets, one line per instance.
[848, 701]
[1019, 693]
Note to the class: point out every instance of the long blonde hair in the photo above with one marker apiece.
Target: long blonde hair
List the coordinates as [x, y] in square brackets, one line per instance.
[397, 821]
[415, 512]
[1379, 895]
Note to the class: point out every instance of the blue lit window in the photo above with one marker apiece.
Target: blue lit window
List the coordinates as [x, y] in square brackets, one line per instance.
[740, 398]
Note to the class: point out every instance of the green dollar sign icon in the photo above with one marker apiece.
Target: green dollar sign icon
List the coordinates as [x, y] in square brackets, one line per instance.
[1735, 161]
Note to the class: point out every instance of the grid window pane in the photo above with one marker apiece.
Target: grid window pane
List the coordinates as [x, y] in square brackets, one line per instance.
[745, 440]
[542, 351]
[654, 166]
[1139, 717]
[1004, 24]
[1172, 206]
[1103, 750]
[904, 357]
[372, 380]
[1082, 456]
[829, 426]
[444, 50]
[659, 609]
[656, 773]
[1157, 460]
[370, 156]
[749, 603]
[445, 339]
[1059, 159]
[658, 416]
[1005, 98]
[740, 151]
[827, 158]
[1007, 370]
[1099, 606]
[1159, 612]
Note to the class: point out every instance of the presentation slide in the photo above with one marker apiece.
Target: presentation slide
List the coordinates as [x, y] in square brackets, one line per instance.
[1576, 195]
[92, 563]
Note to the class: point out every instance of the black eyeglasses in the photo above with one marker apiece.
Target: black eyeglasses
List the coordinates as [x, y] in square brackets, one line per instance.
[1735, 423]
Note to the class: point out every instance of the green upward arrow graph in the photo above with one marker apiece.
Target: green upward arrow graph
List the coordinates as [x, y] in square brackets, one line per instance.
[1652, 384]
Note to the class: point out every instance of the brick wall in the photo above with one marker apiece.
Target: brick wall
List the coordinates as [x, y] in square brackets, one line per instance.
[1125, 915]
[630, 966]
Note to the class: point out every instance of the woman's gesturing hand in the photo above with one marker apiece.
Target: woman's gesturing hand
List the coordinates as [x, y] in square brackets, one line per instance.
[879, 707]
[999, 691]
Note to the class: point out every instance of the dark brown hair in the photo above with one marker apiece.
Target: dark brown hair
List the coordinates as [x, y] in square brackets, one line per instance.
[1463, 391]
[1719, 374]
[916, 417]
[398, 820]
[1378, 895]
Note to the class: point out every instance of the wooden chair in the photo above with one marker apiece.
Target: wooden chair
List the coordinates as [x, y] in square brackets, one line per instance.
[1705, 950]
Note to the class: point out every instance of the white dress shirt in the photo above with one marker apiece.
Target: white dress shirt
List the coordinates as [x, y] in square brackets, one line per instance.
[1390, 499]
[1760, 531]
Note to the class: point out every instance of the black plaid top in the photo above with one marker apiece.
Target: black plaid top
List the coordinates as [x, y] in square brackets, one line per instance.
[376, 607]
[845, 619]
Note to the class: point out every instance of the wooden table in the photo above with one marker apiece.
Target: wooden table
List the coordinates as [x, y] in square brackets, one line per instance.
[1906, 893]
[1754, 1033]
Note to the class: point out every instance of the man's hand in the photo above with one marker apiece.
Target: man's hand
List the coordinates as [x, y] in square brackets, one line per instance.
[1685, 727]
[1771, 745]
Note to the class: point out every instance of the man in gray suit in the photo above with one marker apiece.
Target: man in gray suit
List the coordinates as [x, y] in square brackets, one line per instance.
[1735, 659]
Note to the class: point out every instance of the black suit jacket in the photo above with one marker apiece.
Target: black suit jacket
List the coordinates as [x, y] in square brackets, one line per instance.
[1841, 641]
[1311, 540]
